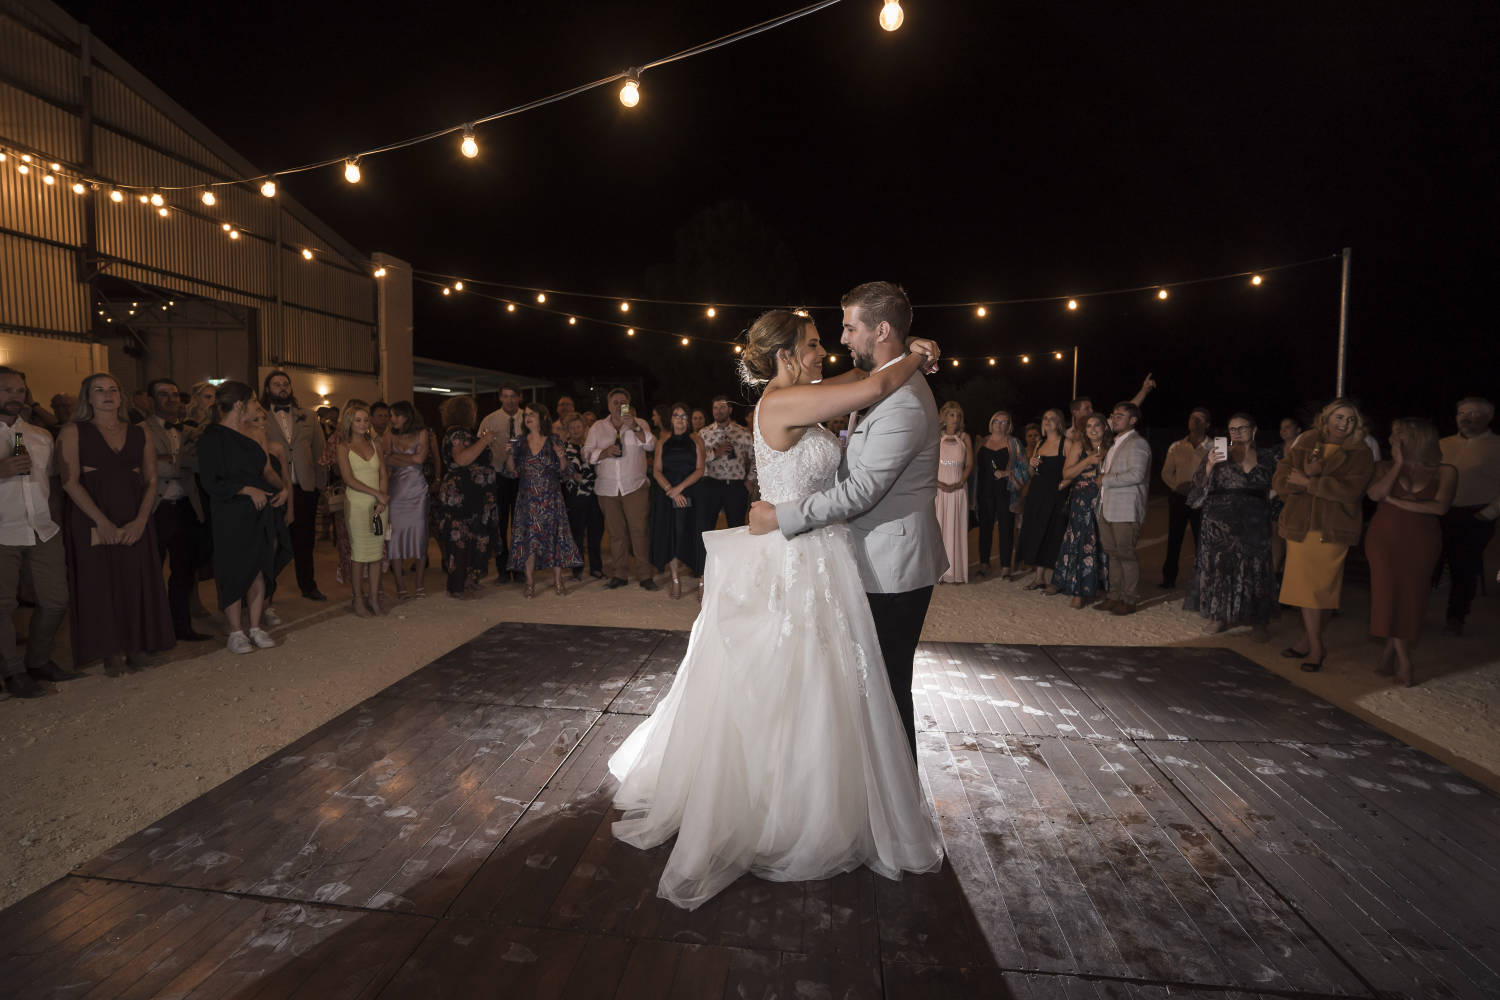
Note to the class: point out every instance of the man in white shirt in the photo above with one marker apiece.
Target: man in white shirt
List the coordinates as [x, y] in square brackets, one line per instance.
[30, 543]
[1177, 471]
[506, 425]
[1470, 523]
[1123, 482]
[617, 447]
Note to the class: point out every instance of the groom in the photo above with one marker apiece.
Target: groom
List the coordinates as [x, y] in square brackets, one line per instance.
[886, 490]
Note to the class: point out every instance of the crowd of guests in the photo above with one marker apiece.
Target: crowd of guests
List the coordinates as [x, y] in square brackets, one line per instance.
[99, 493]
[1271, 525]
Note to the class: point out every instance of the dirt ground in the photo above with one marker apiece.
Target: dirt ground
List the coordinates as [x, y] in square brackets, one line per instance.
[102, 758]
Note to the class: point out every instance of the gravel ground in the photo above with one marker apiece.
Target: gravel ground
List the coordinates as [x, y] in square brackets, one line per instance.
[104, 757]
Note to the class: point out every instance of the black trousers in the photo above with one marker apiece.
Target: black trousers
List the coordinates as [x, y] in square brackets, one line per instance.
[728, 495]
[898, 626]
[304, 510]
[586, 522]
[1179, 518]
[178, 542]
[505, 505]
[993, 508]
[1464, 540]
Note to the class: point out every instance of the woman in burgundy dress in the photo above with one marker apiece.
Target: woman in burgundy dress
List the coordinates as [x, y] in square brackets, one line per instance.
[1414, 490]
[117, 602]
[540, 537]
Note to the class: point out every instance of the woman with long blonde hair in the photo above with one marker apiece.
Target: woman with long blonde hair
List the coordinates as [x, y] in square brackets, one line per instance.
[1046, 513]
[1003, 470]
[365, 502]
[955, 462]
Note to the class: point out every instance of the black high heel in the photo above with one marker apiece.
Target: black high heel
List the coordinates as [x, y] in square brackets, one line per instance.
[1313, 666]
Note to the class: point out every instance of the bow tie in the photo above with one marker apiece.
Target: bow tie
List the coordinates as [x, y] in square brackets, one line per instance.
[281, 409]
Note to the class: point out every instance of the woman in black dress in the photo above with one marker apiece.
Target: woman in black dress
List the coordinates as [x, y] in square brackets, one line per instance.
[117, 603]
[233, 470]
[1046, 514]
[468, 519]
[1000, 470]
[677, 467]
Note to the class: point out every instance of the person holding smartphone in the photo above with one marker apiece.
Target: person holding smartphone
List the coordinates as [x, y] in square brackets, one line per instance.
[617, 447]
[676, 541]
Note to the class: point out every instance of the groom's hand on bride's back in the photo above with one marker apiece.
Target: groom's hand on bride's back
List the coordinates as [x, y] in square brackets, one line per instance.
[763, 518]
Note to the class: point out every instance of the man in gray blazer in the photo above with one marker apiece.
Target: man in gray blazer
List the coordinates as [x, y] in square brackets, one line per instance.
[1123, 482]
[886, 490]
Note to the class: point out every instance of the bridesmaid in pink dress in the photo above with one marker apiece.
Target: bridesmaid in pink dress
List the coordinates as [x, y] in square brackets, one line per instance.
[955, 462]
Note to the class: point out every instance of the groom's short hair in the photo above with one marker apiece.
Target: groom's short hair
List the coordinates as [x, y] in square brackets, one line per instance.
[881, 302]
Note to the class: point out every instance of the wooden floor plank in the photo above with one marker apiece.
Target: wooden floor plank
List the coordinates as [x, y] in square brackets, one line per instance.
[654, 678]
[994, 689]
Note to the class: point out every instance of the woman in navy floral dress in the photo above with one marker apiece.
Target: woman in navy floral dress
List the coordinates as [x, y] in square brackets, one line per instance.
[1082, 569]
[540, 537]
[468, 520]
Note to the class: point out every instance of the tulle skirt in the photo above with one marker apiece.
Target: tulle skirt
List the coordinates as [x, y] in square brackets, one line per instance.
[779, 749]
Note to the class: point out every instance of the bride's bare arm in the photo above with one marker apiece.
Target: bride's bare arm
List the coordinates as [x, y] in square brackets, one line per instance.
[805, 405]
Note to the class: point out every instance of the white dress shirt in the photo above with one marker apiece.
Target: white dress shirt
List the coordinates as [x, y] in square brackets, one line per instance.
[506, 427]
[615, 477]
[854, 417]
[25, 518]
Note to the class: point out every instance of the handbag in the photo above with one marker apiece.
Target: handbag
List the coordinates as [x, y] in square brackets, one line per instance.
[377, 527]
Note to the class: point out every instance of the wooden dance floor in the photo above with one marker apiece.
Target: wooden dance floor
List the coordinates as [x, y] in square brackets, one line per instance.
[1120, 822]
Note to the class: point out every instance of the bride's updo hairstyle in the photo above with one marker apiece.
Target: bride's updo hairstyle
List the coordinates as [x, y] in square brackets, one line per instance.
[774, 331]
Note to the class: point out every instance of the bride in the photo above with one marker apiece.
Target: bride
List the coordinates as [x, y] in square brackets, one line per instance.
[779, 749]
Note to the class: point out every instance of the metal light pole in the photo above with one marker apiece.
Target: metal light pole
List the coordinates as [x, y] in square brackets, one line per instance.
[1075, 371]
[1343, 323]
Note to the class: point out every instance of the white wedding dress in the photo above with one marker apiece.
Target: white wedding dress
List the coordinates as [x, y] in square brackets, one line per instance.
[779, 749]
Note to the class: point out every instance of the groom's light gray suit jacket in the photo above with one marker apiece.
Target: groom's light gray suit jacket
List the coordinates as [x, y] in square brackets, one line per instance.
[887, 493]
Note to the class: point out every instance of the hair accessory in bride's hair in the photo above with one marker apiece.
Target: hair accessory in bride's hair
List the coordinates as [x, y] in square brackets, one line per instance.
[774, 331]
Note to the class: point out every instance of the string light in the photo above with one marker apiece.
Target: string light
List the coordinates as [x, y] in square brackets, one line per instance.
[351, 170]
[630, 94]
[157, 200]
[1057, 355]
[1073, 304]
[510, 307]
[1161, 294]
[48, 179]
[981, 312]
[712, 312]
[630, 332]
[25, 157]
[268, 189]
[307, 254]
[447, 290]
[380, 272]
[1025, 359]
[163, 212]
[1256, 280]
[56, 167]
[116, 196]
[833, 359]
[738, 348]
[234, 234]
[78, 187]
[684, 341]
[891, 15]
[145, 200]
[992, 362]
[469, 147]
[572, 320]
[226, 227]
[22, 168]
[541, 297]
[624, 307]
[458, 286]
[209, 198]
[955, 362]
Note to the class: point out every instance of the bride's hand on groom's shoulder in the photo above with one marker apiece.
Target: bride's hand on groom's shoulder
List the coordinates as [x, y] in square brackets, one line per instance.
[763, 518]
[927, 348]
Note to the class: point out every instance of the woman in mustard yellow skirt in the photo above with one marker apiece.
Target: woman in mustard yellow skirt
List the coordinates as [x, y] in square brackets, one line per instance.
[1322, 478]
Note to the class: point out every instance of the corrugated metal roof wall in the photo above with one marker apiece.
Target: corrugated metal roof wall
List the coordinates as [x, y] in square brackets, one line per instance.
[327, 318]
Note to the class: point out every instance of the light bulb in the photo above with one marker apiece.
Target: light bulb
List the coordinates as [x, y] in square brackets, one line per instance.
[955, 362]
[22, 168]
[630, 332]
[226, 227]
[833, 359]
[234, 234]
[1025, 359]
[511, 307]
[541, 297]
[630, 94]
[684, 341]
[891, 15]
[162, 212]
[145, 200]
[48, 179]
[1073, 304]
[992, 362]
[116, 197]
[447, 291]
[56, 167]
[1255, 280]
[351, 170]
[458, 286]
[624, 307]
[738, 348]
[306, 254]
[209, 198]
[2, 160]
[469, 147]
[1162, 294]
[25, 157]
[712, 312]
[157, 200]
[1057, 355]
[78, 188]
[981, 312]
[268, 189]
[380, 272]
[572, 320]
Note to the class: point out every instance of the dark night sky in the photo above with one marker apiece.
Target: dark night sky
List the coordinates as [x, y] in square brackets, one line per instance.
[985, 150]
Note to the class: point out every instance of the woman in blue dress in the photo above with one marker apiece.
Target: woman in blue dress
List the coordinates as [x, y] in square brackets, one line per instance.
[540, 537]
[1082, 570]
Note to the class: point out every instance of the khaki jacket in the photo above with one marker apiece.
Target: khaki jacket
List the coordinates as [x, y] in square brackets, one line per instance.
[1329, 508]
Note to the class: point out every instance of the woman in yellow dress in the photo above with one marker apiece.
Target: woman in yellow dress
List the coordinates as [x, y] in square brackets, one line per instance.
[1322, 478]
[365, 499]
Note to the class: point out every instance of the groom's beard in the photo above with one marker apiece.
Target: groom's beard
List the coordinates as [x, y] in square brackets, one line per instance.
[864, 362]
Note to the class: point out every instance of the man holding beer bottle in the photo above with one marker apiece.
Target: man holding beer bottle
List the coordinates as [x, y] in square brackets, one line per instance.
[617, 448]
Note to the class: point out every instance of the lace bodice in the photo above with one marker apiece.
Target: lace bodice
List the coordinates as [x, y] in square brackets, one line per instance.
[807, 467]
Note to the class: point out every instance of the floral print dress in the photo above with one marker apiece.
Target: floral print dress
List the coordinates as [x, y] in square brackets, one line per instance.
[540, 523]
[1082, 568]
[468, 520]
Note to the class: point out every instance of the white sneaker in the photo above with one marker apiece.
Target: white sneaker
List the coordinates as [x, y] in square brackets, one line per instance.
[239, 642]
[270, 618]
[261, 638]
